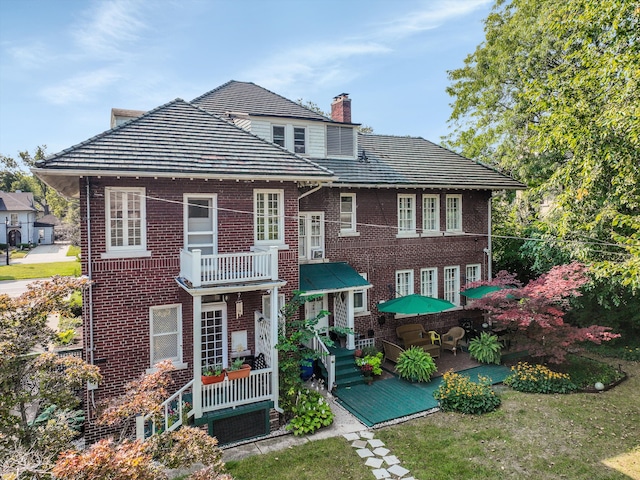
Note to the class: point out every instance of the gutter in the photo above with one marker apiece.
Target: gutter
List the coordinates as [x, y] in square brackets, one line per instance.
[313, 190]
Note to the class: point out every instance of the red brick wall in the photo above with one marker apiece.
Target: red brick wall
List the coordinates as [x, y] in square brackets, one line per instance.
[377, 251]
[125, 289]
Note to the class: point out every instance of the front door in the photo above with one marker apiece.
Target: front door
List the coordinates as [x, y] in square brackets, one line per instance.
[214, 334]
[312, 308]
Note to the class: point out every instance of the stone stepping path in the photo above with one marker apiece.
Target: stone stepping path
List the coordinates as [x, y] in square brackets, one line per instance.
[377, 456]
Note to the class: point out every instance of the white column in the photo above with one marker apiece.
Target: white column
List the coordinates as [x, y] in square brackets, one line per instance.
[273, 250]
[351, 345]
[273, 315]
[197, 356]
[196, 268]
[489, 252]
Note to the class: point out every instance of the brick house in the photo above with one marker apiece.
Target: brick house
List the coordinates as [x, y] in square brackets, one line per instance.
[201, 218]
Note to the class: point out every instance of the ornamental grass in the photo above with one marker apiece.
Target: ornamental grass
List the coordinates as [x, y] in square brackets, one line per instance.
[457, 393]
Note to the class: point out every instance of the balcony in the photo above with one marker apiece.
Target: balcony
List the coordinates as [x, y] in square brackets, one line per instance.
[228, 268]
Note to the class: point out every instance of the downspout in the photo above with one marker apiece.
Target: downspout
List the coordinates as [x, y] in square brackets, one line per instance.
[313, 190]
[489, 251]
[90, 292]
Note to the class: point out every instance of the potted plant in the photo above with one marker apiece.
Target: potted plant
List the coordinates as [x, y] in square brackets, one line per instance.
[212, 374]
[238, 369]
[485, 348]
[416, 365]
[370, 365]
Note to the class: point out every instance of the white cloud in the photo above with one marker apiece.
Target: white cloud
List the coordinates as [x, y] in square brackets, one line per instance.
[30, 56]
[110, 29]
[80, 87]
[432, 17]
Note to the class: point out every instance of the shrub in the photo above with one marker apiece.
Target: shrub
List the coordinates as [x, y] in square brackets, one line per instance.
[67, 337]
[538, 379]
[370, 363]
[485, 348]
[311, 412]
[585, 372]
[458, 393]
[416, 365]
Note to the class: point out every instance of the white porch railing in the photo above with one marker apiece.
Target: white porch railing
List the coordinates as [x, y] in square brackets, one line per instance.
[233, 393]
[172, 413]
[224, 268]
[325, 357]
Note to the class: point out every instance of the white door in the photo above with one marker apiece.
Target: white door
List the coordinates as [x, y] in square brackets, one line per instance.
[214, 334]
[200, 223]
[312, 308]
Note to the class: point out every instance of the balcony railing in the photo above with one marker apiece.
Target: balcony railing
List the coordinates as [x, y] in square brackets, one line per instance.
[256, 387]
[223, 268]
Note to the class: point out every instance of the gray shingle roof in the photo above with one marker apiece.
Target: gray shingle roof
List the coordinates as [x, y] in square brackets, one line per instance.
[246, 97]
[392, 160]
[16, 201]
[179, 138]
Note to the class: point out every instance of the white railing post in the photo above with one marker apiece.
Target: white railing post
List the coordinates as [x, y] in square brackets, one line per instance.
[273, 314]
[140, 427]
[196, 392]
[274, 264]
[196, 268]
[350, 320]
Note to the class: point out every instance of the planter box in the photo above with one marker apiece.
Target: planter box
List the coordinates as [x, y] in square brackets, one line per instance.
[244, 372]
[209, 379]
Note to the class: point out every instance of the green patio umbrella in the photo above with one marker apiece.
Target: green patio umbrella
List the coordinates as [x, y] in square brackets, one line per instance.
[481, 291]
[415, 304]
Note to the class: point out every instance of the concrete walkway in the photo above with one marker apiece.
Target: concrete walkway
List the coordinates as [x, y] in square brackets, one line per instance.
[45, 254]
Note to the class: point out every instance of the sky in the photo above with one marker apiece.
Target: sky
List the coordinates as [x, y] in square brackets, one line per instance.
[64, 64]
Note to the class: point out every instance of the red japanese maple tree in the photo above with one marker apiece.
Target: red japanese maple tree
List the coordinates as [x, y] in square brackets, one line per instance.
[536, 311]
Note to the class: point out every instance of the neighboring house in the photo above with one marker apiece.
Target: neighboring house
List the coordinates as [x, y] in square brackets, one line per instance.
[20, 217]
[200, 219]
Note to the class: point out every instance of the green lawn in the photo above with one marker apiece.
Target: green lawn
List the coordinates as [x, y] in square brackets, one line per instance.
[529, 436]
[39, 270]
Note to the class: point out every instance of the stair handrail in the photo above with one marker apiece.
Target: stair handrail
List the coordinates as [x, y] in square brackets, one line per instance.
[326, 358]
[141, 420]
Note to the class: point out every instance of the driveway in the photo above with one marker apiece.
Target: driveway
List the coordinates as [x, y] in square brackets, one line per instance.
[46, 254]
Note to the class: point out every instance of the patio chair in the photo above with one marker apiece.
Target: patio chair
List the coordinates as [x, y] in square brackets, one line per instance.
[451, 339]
[435, 337]
[391, 351]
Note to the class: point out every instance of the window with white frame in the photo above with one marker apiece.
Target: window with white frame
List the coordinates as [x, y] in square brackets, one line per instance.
[200, 223]
[452, 284]
[347, 213]
[430, 213]
[269, 217]
[406, 214]
[266, 304]
[126, 226]
[472, 274]
[360, 298]
[277, 135]
[299, 140]
[429, 282]
[14, 219]
[404, 283]
[166, 333]
[311, 235]
[454, 213]
[339, 141]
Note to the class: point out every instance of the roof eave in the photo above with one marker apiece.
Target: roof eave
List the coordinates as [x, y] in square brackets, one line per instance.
[454, 186]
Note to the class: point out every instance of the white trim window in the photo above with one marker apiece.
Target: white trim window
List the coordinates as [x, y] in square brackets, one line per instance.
[430, 213]
[348, 213]
[311, 236]
[278, 135]
[300, 140]
[339, 141]
[472, 273]
[360, 304]
[269, 217]
[404, 283]
[266, 304]
[125, 219]
[454, 213]
[452, 284]
[200, 223]
[406, 214]
[429, 282]
[166, 333]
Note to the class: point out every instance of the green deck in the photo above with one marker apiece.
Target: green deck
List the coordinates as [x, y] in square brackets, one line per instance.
[394, 398]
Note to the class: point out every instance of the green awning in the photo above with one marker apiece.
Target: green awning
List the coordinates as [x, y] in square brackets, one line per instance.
[330, 277]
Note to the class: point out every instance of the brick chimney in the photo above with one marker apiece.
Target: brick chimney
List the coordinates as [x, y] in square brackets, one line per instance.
[341, 108]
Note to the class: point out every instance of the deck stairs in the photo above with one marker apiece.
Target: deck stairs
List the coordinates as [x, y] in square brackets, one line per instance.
[346, 372]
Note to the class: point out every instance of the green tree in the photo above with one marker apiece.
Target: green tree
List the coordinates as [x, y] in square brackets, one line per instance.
[552, 96]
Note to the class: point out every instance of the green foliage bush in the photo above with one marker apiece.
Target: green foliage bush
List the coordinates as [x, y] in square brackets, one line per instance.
[416, 365]
[485, 348]
[370, 364]
[66, 337]
[585, 372]
[311, 412]
[457, 393]
[538, 379]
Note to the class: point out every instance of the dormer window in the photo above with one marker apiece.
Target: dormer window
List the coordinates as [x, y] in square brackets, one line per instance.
[339, 141]
[278, 135]
[299, 140]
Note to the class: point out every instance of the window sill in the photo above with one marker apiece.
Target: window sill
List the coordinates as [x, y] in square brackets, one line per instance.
[267, 246]
[453, 233]
[125, 254]
[361, 314]
[349, 234]
[407, 235]
[432, 233]
[176, 365]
